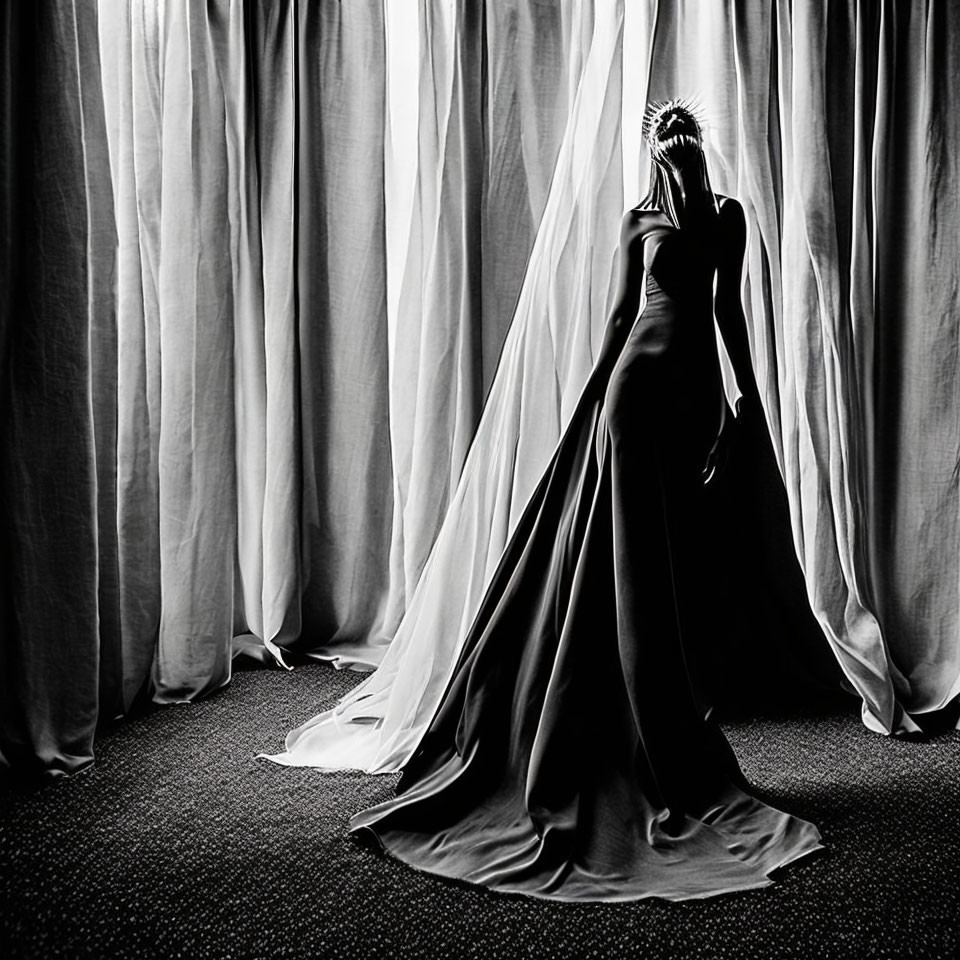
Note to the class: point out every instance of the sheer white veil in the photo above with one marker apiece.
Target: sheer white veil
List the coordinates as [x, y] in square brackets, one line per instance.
[546, 358]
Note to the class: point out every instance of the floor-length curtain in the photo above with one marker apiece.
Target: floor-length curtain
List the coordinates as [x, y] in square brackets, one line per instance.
[494, 84]
[273, 448]
[247, 154]
[547, 354]
[260, 261]
[904, 224]
[341, 302]
[833, 124]
[185, 298]
[59, 630]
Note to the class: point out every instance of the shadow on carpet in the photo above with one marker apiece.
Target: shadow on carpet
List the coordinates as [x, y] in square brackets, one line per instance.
[177, 843]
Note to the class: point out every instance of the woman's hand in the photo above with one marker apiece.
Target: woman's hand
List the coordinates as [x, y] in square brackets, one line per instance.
[749, 417]
[719, 455]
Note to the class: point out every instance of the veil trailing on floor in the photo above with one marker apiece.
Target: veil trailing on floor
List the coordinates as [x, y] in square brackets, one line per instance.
[544, 364]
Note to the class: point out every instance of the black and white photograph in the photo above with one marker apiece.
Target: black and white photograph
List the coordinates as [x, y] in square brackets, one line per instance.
[480, 479]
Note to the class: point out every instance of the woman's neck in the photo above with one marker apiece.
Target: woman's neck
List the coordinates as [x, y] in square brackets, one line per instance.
[687, 187]
[689, 198]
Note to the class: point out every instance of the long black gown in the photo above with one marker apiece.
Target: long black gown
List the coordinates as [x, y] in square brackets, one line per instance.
[569, 757]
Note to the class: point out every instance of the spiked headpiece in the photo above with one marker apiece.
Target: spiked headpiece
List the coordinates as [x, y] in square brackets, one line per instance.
[674, 146]
[656, 111]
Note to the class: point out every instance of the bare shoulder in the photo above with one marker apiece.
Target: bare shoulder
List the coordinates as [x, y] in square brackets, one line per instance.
[731, 214]
[638, 224]
[732, 229]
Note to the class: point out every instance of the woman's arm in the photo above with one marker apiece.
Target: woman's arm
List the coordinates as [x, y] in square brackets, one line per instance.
[627, 301]
[728, 308]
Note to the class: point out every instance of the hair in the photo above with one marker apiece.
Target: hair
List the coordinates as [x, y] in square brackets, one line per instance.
[661, 194]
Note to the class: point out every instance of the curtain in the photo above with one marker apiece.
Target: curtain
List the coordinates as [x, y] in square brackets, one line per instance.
[494, 83]
[58, 547]
[557, 326]
[266, 264]
[256, 322]
[831, 122]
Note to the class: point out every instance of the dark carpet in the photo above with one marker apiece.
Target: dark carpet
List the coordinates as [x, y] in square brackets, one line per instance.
[177, 843]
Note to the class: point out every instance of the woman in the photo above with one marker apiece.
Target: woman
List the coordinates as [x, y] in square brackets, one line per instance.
[569, 757]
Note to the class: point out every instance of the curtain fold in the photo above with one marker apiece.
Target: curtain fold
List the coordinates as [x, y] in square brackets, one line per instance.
[342, 348]
[131, 99]
[197, 303]
[267, 265]
[269, 464]
[494, 83]
[58, 585]
[915, 345]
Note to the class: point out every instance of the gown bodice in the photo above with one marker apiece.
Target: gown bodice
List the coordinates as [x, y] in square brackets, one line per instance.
[670, 354]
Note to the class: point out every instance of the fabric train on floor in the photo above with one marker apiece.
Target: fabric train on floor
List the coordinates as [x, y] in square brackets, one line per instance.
[570, 756]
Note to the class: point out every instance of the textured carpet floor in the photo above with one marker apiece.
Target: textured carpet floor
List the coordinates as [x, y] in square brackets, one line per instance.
[179, 844]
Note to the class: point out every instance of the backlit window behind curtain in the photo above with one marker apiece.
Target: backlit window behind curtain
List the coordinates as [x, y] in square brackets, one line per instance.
[260, 262]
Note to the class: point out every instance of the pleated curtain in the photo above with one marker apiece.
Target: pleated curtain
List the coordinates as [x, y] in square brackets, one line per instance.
[494, 84]
[832, 123]
[261, 259]
[58, 544]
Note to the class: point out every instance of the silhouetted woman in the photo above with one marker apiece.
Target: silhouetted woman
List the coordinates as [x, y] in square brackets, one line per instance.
[569, 757]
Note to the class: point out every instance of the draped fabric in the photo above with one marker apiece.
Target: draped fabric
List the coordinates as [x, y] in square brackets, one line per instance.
[813, 357]
[546, 358]
[57, 430]
[264, 265]
[568, 757]
[831, 123]
[268, 291]
[468, 176]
